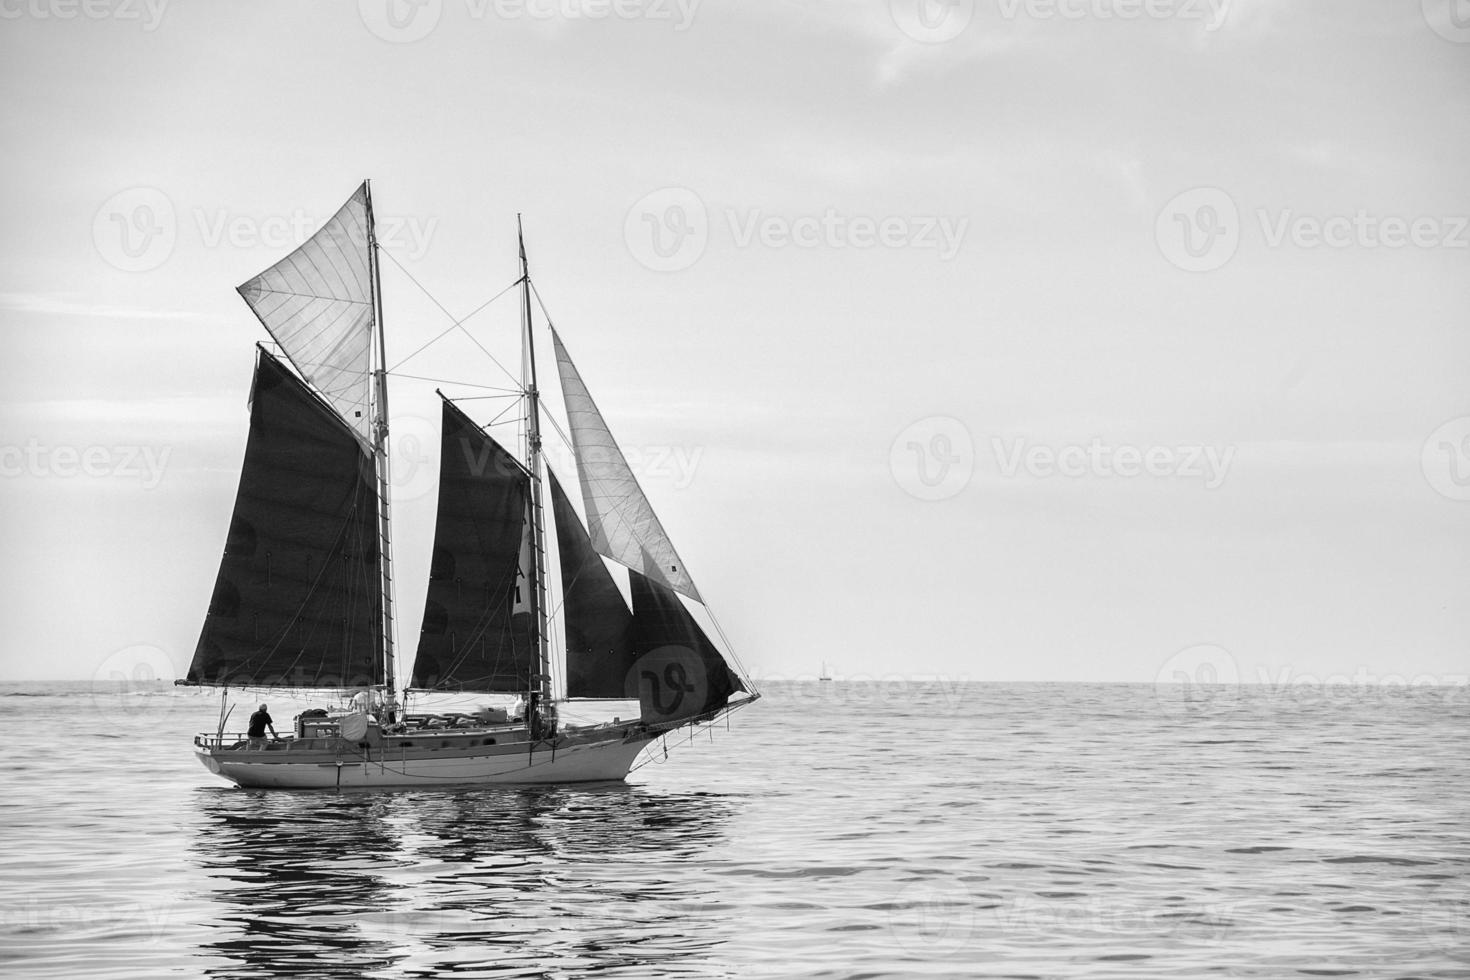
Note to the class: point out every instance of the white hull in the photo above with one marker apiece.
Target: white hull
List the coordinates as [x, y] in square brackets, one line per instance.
[579, 762]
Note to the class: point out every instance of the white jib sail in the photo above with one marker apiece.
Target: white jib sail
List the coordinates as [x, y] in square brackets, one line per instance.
[620, 520]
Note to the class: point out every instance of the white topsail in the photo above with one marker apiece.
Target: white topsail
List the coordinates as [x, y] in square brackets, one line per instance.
[317, 303]
[620, 520]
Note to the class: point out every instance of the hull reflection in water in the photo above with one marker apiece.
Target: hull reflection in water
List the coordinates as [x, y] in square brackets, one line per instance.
[542, 878]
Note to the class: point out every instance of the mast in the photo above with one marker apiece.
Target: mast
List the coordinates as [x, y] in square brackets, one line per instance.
[380, 451]
[541, 684]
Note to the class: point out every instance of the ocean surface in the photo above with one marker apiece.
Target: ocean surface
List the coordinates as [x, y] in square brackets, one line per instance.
[839, 829]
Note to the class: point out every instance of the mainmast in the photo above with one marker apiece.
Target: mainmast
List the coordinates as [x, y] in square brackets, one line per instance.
[380, 450]
[541, 683]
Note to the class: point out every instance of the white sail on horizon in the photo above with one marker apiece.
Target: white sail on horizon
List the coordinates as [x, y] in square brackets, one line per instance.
[317, 303]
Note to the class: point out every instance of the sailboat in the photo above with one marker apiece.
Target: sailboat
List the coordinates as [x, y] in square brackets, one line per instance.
[304, 598]
[825, 675]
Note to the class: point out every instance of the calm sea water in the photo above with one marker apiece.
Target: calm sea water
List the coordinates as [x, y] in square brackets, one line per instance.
[836, 830]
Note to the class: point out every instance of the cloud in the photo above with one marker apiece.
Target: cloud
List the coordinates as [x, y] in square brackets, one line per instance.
[57, 305]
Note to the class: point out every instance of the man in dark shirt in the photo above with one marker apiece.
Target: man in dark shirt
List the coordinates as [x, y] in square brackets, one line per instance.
[259, 722]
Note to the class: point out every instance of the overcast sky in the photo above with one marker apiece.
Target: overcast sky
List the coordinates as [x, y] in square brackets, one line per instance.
[999, 340]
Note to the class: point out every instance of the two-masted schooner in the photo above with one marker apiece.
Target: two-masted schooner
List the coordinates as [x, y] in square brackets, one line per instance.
[304, 599]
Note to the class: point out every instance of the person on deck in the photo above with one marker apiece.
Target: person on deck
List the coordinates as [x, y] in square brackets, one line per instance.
[259, 722]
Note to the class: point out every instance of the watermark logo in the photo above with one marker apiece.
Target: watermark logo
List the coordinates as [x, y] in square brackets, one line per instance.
[407, 236]
[933, 918]
[680, 13]
[135, 230]
[146, 464]
[124, 678]
[400, 21]
[832, 229]
[1445, 459]
[1360, 686]
[413, 442]
[1211, 13]
[932, 21]
[933, 459]
[1099, 459]
[148, 13]
[1450, 19]
[1196, 677]
[673, 465]
[145, 924]
[1445, 921]
[667, 231]
[1199, 230]
[1362, 230]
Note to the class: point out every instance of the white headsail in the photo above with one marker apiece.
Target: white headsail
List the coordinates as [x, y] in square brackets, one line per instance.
[317, 303]
[620, 520]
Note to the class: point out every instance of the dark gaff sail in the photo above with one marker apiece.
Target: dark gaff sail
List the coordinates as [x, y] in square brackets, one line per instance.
[679, 673]
[598, 636]
[478, 633]
[296, 603]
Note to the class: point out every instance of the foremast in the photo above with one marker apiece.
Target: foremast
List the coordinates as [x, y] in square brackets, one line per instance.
[541, 692]
[380, 453]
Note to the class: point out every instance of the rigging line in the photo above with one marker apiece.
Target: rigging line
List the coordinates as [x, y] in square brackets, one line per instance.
[566, 439]
[501, 415]
[459, 324]
[696, 726]
[544, 311]
[730, 648]
[509, 392]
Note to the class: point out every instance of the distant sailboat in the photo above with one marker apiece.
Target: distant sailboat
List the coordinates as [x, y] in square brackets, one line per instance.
[304, 595]
[826, 674]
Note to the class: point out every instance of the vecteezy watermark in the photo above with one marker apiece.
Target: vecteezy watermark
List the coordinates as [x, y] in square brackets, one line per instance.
[408, 236]
[1362, 230]
[1444, 917]
[147, 924]
[932, 21]
[932, 918]
[400, 21]
[406, 21]
[671, 465]
[124, 678]
[1200, 230]
[669, 230]
[678, 13]
[1099, 459]
[143, 463]
[413, 471]
[834, 230]
[1450, 19]
[1196, 677]
[1211, 13]
[1445, 459]
[135, 230]
[1360, 685]
[1049, 918]
[147, 13]
[934, 458]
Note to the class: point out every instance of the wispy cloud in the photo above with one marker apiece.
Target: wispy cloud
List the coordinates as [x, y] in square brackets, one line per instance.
[59, 305]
